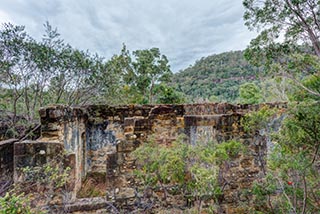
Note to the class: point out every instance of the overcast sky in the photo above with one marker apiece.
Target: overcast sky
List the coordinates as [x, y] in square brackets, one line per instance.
[184, 30]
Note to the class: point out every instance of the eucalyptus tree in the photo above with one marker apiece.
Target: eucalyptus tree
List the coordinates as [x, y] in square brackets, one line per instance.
[13, 65]
[250, 93]
[65, 74]
[151, 67]
[36, 73]
[116, 77]
[289, 33]
[291, 184]
[138, 73]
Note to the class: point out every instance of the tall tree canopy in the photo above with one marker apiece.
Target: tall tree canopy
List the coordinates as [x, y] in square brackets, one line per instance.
[296, 20]
[50, 71]
[289, 36]
[139, 73]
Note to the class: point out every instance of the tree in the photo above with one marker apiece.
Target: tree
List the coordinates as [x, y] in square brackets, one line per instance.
[297, 22]
[296, 19]
[250, 93]
[138, 73]
[13, 63]
[116, 77]
[291, 184]
[276, 89]
[168, 95]
[48, 71]
[215, 78]
[150, 68]
[312, 82]
[73, 72]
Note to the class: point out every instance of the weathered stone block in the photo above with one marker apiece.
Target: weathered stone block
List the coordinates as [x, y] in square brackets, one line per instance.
[127, 145]
[56, 113]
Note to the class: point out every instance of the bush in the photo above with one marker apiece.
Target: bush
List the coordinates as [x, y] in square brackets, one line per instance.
[12, 203]
[192, 168]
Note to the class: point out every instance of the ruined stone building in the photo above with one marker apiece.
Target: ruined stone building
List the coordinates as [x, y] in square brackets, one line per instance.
[100, 138]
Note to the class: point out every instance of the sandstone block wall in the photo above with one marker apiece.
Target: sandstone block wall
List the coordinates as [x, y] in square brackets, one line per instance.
[67, 127]
[99, 139]
[6, 161]
[32, 154]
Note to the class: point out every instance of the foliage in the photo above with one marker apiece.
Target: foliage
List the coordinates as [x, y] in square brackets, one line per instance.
[47, 174]
[38, 73]
[139, 73]
[218, 76]
[276, 89]
[291, 186]
[154, 160]
[294, 176]
[227, 150]
[193, 168]
[168, 95]
[283, 25]
[258, 119]
[150, 68]
[263, 192]
[312, 82]
[297, 20]
[15, 204]
[301, 128]
[38, 187]
[250, 93]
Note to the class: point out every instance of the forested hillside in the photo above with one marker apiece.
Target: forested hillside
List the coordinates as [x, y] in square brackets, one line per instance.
[216, 77]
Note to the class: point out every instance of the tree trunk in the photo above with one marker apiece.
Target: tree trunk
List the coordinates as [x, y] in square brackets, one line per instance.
[151, 92]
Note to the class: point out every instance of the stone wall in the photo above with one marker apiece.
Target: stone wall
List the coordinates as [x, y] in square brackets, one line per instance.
[237, 175]
[67, 126]
[99, 139]
[32, 154]
[6, 162]
[121, 129]
[220, 123]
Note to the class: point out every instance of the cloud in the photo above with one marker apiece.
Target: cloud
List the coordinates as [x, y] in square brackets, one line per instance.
[183, 30]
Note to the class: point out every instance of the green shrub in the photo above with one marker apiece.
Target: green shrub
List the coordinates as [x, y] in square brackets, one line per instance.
[192, 168]
[13, 203]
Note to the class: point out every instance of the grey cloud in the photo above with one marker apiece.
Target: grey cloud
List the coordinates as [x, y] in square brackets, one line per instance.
[183, 30]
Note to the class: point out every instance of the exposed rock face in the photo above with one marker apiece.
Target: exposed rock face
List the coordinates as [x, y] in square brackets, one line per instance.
[99, 139]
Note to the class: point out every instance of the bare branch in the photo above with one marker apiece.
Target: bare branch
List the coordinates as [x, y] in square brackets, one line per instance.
[299, 84]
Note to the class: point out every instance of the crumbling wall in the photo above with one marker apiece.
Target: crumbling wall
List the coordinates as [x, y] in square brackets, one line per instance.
[237, 175]
[6, 163]
[100, 139]
[32, 154]
[114, 132]
[67, 126]
[219, 123]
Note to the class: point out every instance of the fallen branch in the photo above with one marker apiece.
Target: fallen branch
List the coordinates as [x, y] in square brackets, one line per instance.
[29, 133]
